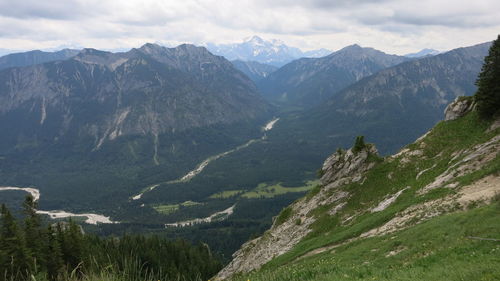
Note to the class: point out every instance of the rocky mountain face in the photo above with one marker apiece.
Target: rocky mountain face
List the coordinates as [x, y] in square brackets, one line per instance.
[361, 196]
[273, 52]
[35, 57]
[309, 81]
[146, 91]
[254, 70]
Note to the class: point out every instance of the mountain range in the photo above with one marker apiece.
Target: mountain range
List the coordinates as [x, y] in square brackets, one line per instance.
[309, 81]
[150, 108]
[273, 52]
[391, 107]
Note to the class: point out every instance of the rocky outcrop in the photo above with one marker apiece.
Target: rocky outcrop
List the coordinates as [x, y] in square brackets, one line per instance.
[340, 168]
[458, 108]
[466, 162]
[344, 166]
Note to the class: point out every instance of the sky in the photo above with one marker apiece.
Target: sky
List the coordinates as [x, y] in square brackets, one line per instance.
[393, 26]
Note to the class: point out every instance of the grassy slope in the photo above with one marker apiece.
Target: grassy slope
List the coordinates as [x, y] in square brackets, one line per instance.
[435, 250]
[440, 143]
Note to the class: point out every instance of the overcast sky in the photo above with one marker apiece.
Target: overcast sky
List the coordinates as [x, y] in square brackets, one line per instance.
[394, 26]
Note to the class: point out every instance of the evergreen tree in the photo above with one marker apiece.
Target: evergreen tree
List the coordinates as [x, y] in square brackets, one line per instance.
[53, 255]
[359, 144]
[16, 261]
[33, 232]
[488, 82]
[61, 248]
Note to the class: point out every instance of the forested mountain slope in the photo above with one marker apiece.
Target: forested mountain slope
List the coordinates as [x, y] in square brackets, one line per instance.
[309, 81]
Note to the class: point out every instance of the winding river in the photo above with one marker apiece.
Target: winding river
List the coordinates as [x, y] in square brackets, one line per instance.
[56, 214]
[222, 215]
[200, 167]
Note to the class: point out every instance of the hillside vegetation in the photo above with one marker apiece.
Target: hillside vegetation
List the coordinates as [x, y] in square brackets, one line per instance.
[425, 213]
[33, 250]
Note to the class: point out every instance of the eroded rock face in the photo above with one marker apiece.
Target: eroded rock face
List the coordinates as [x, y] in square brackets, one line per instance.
[458, 108]
[340, 168]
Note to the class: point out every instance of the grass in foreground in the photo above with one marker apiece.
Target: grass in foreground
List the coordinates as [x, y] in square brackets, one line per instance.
[438, 249]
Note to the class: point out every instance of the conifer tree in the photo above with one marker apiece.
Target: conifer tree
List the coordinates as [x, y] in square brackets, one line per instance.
[17, 260]
[53, 255]
[488, 82]
[33, 231]
[359, 144]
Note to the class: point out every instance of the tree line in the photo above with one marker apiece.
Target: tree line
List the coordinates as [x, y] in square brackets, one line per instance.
[31, 249]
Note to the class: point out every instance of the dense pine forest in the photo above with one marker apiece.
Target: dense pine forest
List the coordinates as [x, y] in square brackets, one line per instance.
[31, 249]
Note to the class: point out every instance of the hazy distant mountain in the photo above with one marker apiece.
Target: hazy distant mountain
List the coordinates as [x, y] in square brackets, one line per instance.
[423, 53]
[4, 52]
[34, 57]
[308, 81]
[272, 52]
[254, 70]
[317, 53]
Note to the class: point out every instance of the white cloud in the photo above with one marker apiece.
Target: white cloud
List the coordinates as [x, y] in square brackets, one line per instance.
[390, 25]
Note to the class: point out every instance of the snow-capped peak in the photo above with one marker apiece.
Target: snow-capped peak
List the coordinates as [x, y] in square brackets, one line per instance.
[254, 48]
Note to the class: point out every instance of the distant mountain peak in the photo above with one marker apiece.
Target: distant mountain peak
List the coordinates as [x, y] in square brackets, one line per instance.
[423, 53]
[151, 46]
[254, 39]
[353, 46]
[274, 52]
[91, 51]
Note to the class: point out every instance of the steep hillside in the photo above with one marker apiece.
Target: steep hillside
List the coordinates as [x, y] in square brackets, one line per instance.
[428, 209]
[254, 70]
[83, 128]
[309, 81]
[34, 57]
